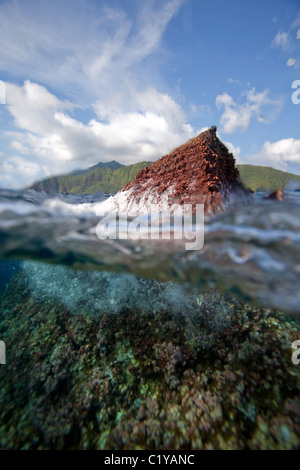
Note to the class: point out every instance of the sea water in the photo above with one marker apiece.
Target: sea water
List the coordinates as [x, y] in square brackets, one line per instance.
[253, 251]
[187, 310]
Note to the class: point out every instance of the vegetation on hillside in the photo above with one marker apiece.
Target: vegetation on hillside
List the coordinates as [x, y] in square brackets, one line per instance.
[101, 179]
[263, 178]
[110, 177]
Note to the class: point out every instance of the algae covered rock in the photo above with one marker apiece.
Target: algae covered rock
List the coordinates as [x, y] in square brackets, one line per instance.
[220, 377]
[201, 171]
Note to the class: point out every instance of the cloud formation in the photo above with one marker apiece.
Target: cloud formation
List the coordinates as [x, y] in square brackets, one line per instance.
[100, 58]
[94, 80]
[286, 42]
[282, 40]
[283, 155]
[237, 116]
[85, 50]
[291, 62]
[50, 140]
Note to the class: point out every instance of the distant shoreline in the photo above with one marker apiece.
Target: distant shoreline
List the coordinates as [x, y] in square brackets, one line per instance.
[109, 178]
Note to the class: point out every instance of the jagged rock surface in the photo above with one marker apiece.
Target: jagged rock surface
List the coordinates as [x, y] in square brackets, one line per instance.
[202, 171]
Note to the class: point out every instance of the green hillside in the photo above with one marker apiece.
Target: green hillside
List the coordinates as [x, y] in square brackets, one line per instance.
[111, 177]
[100, 178]
[263, 178]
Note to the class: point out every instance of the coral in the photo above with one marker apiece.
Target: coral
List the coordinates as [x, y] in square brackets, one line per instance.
[219, 377]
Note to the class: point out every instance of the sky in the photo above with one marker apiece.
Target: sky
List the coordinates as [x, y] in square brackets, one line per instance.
[88, 81]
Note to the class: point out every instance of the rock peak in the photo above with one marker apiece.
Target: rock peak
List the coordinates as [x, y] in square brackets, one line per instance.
[201, 171]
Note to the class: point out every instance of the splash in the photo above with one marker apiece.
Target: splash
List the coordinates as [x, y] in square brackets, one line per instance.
[253, 252]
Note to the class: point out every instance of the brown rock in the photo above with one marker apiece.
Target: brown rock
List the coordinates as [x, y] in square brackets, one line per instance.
[202, 171]
[277, 195]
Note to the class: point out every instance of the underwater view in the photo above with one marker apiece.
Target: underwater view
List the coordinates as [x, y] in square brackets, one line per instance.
[140, 344]
[149, 227]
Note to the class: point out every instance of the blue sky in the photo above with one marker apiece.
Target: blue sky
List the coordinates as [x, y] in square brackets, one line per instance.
[85, 81]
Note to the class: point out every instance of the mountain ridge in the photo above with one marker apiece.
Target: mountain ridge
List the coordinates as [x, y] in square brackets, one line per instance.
[112, 176]
[266, 178]
[113, 165]
[102, 177]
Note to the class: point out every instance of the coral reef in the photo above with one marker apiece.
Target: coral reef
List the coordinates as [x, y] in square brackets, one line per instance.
[220, 377]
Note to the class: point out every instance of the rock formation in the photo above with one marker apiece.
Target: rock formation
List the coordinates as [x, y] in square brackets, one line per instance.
[202, 171]
[277, 195]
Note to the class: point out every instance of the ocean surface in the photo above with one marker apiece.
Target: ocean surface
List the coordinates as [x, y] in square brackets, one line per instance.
[253, 252]
[53, 266]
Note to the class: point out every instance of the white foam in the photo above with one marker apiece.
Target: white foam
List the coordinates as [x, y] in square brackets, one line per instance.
[127, 202]
[63, 207]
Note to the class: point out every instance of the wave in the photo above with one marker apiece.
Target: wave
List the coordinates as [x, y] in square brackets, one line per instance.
[252, 253]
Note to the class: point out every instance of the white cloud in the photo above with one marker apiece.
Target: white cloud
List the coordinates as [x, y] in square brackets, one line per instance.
[16, 170]
[283, 155]
[237, 116]
[33, 106]
[298, 34]
[84, 50]
[57, 142]
[100, 58]
[19, 147]
[296, 22]
[282, 40]
[236, 151]
[291, 62]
